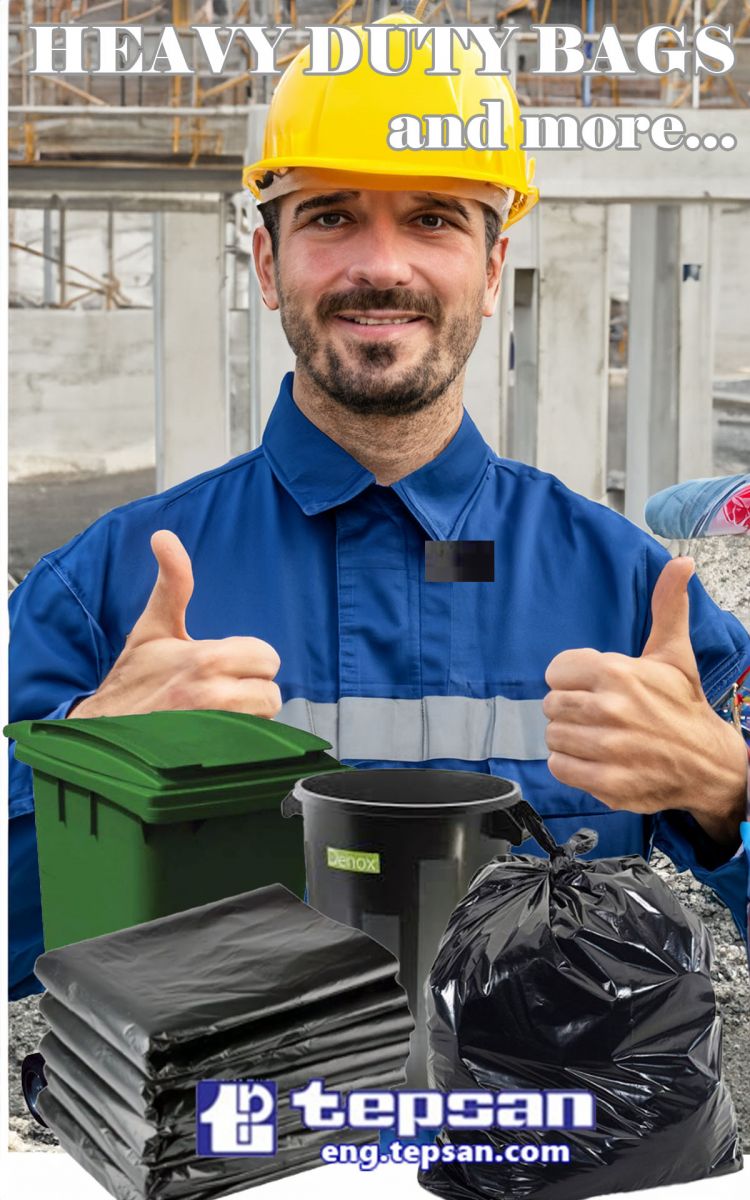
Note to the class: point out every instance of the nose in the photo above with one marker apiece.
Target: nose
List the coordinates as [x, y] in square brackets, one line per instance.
[379, 258]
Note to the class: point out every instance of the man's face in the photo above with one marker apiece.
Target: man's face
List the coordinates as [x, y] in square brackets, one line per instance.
[381, 293]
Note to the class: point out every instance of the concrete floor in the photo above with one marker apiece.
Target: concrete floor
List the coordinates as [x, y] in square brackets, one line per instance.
[44, 513]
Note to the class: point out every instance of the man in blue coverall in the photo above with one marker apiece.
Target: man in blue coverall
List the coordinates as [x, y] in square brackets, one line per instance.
[589, 669]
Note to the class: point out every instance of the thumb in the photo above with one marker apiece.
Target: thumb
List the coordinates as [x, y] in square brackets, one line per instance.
[669, 640]
[164, 614]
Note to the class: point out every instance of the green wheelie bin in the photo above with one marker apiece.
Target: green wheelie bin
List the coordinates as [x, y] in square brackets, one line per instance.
[139, 817]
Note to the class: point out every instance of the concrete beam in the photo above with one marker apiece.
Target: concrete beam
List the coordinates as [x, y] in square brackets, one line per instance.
[140, 177]
[593, 176]
[649, 174]
[145, 202]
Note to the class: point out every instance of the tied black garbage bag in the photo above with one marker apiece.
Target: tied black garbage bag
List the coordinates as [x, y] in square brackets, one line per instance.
[573, 974]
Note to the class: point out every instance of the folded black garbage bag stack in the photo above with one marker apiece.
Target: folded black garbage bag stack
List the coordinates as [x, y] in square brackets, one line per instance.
[259, 986]
[580, 974]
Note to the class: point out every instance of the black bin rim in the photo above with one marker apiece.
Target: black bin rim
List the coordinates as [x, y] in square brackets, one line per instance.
[464, 791]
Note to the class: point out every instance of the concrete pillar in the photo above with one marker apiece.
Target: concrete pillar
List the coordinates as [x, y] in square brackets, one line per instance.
[670, 349]
[191, 344]
[732, 262]
[276, 357]
[505, 365]
[522, 412]
[483, 383]
[698, 291]
[557, 418]
[573, 346]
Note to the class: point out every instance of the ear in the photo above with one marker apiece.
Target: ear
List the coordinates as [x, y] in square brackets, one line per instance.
[265, 267]
[494, 275]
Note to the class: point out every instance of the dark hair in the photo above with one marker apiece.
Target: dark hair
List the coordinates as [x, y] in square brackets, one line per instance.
[270, 214]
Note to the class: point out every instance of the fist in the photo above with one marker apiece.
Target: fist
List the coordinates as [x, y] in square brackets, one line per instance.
[162, 667]
[638, 733]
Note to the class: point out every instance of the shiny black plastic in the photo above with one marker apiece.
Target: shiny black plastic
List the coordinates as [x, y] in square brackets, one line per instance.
[374, 1014]
[174, 1143]
[152, 1138]
[213, 971]
[581, 974]
[260, 986]
[204, 1178]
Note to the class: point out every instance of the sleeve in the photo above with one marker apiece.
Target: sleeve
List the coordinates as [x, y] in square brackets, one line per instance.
[57, 655]
[722, 651]
[680, 836]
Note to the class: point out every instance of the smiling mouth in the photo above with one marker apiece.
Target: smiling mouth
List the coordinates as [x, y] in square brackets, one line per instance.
[362, 320]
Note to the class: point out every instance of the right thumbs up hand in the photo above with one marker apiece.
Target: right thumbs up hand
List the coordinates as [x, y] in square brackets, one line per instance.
[162, 667]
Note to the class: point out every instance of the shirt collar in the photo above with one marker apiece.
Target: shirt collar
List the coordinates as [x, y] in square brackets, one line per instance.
[319, 474]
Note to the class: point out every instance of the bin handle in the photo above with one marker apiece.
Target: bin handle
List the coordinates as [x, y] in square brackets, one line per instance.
[291, 806]
[33, 1083]
[517, 823]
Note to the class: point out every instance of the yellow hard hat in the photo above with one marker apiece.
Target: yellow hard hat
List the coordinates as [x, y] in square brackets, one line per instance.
[341, 122]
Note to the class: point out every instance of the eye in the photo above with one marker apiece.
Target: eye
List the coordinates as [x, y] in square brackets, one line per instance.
[434, 220]
[330, 220]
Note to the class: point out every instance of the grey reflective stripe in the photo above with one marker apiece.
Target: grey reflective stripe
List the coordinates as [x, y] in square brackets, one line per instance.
[365, 727]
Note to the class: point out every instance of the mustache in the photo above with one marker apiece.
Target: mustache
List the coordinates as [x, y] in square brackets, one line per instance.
[364, 299]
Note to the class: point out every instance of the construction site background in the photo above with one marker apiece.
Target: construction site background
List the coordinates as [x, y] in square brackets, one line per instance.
[620, 358]
[93, 156]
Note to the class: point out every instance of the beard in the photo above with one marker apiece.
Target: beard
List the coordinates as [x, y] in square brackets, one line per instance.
[362, 385]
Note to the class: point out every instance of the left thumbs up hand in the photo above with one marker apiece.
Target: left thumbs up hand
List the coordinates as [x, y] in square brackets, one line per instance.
[638, 733]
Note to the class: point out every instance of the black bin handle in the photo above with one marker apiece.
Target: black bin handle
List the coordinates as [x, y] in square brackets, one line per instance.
[517, 823]
[291, 806]
[33, 1083]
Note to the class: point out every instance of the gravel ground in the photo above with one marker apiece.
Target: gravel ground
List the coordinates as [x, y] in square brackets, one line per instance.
[723, 564]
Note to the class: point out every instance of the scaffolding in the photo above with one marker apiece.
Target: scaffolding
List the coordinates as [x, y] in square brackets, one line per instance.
[187, 115]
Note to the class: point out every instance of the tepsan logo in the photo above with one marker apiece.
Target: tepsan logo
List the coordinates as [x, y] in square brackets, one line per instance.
[235, 1118]
[366, 862]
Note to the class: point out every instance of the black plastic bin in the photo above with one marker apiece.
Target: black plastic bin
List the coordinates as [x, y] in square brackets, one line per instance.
[392, 851]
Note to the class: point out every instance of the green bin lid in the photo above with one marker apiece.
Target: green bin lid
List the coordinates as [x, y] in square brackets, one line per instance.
[164, 753]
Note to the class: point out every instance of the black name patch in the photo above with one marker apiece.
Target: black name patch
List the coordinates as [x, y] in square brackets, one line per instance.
[459, 562]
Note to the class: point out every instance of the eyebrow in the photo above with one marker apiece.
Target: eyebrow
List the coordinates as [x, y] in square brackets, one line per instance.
[452, 205]
[327, 198]
[323, 201]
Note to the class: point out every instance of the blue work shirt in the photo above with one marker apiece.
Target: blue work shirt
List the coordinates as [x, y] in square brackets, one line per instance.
[295, 543]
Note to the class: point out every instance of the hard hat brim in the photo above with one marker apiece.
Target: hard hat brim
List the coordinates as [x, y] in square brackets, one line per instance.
[388, 178]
